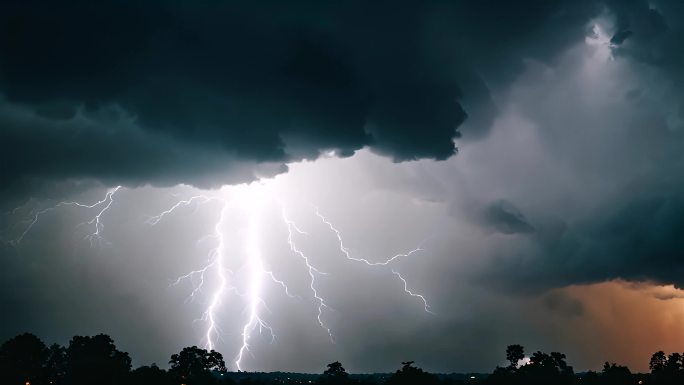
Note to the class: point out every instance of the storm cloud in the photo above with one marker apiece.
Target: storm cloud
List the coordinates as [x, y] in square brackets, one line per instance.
[503, 216]
[532, 149]
[168, 92]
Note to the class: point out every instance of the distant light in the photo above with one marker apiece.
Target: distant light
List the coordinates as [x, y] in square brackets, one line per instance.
[640, 382]
[472, 377]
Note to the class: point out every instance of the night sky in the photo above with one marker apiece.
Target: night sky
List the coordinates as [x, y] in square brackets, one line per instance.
[522, 159]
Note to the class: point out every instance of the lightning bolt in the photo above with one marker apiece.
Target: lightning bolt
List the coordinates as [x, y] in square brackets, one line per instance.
[311, 270]
[96, 221]
[200, 199]
[347, 253]
[214, 256]
[386, 262]
[216, 278]
[216, 264]
[217, 296]
[412, 294]
[95, 235]
[190, 276]
[256, 272]
[281, 283]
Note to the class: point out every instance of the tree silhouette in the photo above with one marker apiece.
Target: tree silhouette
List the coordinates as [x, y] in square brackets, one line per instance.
[548, 367]
[194, 365]
[591, 378]
[614, 374]
[514, 353]
[146, 375]
[666, 370]
[410, 375]
[542, 369]
[22, 359]
[56, 364]
[95, 360]
[674, 363]
[334, 375]
[658, 361]
[502, 376]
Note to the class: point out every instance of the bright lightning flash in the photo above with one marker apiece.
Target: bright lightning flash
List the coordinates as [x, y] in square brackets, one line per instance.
[255, 268]
[251, 201]
[104, 204]
[218, 279]
[311, 270]
[386, 262]
[412, 294]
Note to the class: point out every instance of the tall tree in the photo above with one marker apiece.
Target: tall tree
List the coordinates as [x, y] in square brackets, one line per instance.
[674, 363]
[22, 359]
[514, 353]
[56, 364]
[658, 361]
[95, 360]
[410, 375]
[614, 374]
[195, 364]
[334, 375]
[547, 368]
[148, 375]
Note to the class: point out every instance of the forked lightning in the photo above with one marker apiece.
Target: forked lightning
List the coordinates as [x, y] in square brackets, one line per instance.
[250, 200]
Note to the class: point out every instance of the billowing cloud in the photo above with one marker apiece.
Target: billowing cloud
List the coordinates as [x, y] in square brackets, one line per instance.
[167, 92]
[569, 119]
[504, 217]
[639, 240]
[602, 176]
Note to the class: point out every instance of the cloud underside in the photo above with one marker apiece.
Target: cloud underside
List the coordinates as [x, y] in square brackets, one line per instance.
[168, 92]
[204, 94]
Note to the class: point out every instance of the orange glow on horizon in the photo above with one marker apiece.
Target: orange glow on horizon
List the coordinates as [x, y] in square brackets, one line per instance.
[622, 322]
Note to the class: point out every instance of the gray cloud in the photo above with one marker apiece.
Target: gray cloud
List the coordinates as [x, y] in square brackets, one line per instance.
[168, 92]
[568, 172]
[650, 32]
[638, 240]
[605, 171]
[504, 217]
[108, 147]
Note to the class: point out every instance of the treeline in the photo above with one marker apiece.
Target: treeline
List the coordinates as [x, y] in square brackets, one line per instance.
[26, 360]
[541, 368]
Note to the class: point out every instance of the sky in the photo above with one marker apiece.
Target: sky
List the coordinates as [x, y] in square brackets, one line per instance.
[241, 176]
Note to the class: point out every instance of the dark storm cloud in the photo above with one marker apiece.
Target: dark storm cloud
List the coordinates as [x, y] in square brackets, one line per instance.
[652, 32]
[504, 217]
[624, 220]
[175, 90]
[106, 146]
[640, 239]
